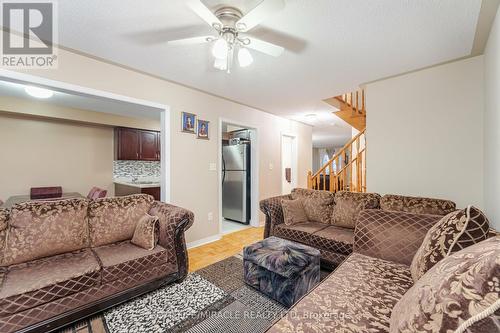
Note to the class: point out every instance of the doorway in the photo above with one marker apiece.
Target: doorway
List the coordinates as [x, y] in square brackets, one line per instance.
[110, 100]
[238, 186]
[288, 163]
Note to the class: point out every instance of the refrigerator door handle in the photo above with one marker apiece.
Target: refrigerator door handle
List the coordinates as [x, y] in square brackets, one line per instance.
[223, 170]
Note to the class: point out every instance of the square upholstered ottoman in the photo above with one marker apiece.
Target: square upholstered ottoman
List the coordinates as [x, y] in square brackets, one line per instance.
[281, 269]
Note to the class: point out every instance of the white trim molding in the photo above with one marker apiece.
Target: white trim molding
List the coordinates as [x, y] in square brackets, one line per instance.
[204, 241]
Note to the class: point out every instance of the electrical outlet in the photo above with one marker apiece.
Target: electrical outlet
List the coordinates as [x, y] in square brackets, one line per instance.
[210, 216]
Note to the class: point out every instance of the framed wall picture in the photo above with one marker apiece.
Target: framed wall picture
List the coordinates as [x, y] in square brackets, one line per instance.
[202, 129]
[188, 122]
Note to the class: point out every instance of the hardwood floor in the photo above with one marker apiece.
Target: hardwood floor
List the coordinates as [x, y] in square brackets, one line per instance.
[229, 245]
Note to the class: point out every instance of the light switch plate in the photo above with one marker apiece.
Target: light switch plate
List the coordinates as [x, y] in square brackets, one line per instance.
[271, 166]
[212, 167]
[210, 216]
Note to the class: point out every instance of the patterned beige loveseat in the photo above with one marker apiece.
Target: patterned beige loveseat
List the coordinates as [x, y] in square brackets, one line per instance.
[332, 218]
[408, 273]
[64, 260]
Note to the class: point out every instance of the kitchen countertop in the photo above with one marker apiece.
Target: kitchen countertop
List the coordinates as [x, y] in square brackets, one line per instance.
[140, 183]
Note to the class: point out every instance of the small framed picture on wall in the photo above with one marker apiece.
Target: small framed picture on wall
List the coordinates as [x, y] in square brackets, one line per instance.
[203, 129]
[188, 122]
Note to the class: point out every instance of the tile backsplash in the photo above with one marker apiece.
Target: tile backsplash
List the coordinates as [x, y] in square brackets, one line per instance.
[129, 169]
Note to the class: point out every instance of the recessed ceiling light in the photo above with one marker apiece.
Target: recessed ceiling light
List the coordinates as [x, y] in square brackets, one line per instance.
[38, 92]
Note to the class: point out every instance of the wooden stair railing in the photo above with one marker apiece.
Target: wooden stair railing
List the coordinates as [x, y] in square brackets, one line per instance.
[345, 171]
[355, 101]
[352, 108]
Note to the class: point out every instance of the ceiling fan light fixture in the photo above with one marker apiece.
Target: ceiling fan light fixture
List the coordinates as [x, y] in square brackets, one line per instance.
[220, 49]
[220, 64]
[244, 57]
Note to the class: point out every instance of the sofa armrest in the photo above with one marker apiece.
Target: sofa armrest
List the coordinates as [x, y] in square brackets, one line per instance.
[391, 235]
[271, 207]
[174, 221]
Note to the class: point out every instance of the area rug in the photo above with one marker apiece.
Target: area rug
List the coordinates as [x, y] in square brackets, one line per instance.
[213, 299]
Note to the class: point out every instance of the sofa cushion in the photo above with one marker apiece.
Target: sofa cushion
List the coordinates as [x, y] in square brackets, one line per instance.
[357, 297]
[114, 219]
[123, 259]
[293, 211]
[417, 205]
[40, 281]
[349, 204]
[40, 229]
[335, 239]
[146, 232]
[4, 218]
[452, 233]
[300, 232]
[318, 205]
[460, 290]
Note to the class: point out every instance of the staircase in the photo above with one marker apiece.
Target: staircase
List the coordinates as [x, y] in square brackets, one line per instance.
[352, 108]
[345, 171]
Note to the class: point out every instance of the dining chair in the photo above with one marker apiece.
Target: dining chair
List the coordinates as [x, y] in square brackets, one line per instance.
[96, 193]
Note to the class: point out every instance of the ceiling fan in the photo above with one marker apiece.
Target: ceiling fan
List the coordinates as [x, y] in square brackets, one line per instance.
[231, 27]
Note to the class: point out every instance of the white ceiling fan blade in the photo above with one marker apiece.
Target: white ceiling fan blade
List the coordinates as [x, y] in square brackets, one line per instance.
[191, 40]
[203, 12]
[265, 47]
[259, 14]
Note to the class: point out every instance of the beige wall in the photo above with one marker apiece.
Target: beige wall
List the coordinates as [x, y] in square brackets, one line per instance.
[492, 125]
[37, 152]
[425, 133]
[193, 185]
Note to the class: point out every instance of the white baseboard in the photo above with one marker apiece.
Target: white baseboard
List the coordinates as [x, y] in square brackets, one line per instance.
[203, 241]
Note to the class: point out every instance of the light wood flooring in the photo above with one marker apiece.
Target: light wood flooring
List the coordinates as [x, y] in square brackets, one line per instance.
[228, 246]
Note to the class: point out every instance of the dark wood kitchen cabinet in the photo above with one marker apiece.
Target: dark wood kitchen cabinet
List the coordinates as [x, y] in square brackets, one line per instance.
[137, 144]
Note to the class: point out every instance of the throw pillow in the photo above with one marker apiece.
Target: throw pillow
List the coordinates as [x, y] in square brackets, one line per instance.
[318, 205]
[293, 211]
[348, 205]
[457, 292]
[453, 232]
[146, 232]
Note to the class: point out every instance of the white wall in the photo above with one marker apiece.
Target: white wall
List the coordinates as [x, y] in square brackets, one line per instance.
[425, 133]
[193, 185]
[492, 125]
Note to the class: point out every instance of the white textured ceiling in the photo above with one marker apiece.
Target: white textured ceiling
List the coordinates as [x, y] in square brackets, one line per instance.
[332, 45]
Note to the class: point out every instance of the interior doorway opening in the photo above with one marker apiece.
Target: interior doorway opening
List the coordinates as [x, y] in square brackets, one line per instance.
[238, 172]
[288, 163]
[80, 102]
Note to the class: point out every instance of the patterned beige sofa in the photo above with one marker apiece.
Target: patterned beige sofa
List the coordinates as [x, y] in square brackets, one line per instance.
[376, 289]
[332, 224]
[64, 260]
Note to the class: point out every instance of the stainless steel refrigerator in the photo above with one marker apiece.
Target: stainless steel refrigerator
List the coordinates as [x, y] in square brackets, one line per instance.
[236, 182]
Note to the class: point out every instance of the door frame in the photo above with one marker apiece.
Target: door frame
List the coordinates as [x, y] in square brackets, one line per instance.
[254, 173]
[295, 162]
[69, 88]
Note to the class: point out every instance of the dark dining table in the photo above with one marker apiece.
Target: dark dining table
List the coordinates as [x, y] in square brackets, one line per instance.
[11, 201]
